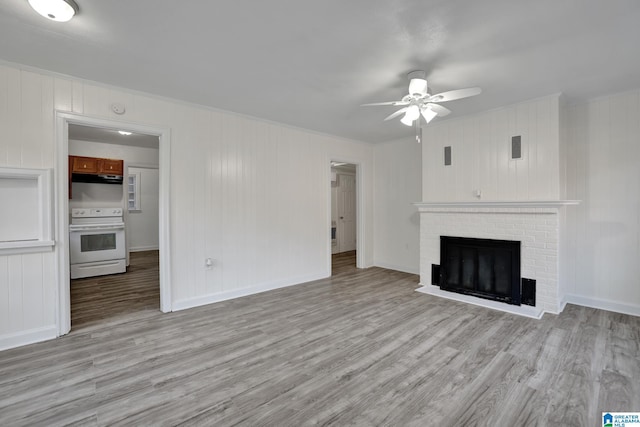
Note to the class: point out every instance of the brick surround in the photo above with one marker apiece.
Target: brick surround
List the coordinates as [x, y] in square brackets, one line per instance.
[537, 228]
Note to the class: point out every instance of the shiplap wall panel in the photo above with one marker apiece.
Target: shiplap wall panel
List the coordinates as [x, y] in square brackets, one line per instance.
[481, 154]
[250, 194]
[604, 231]
[14, 118]
[32, 290]
[4, 115]
[77, 97]
[5, 289]
[63, 94]
[17, 310]
[522, 165]
[397, 222]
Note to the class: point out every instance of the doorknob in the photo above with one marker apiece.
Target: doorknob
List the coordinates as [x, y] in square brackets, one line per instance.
[341, 217]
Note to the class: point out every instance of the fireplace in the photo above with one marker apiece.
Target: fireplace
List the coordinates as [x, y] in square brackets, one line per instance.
[534, 225]
[484, 268]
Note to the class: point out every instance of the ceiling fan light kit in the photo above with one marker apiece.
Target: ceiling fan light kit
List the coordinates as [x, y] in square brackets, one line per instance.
[412, 113]
[420, 103]
[55, 10]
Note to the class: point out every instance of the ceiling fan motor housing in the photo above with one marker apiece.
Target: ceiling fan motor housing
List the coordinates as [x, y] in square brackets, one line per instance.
[417, 83]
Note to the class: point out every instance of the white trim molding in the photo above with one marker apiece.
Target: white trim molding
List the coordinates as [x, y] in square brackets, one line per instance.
[602, 304]
[63, 119]
[28, 337]
[44, 240]
[263, 287]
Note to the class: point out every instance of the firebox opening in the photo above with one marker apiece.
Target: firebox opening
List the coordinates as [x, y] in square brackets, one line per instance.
[484, 268]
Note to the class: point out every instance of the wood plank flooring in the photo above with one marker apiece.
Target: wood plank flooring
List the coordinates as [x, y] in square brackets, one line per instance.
[99, 300]
[359, 348]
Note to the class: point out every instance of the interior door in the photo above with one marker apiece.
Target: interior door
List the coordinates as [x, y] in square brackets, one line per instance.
[346, 227]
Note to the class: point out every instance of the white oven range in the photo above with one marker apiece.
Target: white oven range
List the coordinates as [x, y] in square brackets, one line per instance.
[96, 242]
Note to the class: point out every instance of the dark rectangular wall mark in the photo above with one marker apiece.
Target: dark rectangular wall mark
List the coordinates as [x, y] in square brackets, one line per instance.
[516, 147]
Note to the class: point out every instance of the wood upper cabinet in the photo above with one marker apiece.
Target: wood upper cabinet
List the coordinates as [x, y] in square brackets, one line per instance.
[110, 166]
[95, 165]
[83, 164]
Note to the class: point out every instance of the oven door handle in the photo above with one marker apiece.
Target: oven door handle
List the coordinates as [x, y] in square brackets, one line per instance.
[96, 227]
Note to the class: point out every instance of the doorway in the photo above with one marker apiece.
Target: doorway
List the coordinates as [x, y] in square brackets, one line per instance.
[344, 216]
[117, 284]
[152, 266]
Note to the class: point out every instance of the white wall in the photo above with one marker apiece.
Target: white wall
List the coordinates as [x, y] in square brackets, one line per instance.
[142, 225]
[481, 154]
[232, 195]
[588, 152]
[603, 170]
[397, 179]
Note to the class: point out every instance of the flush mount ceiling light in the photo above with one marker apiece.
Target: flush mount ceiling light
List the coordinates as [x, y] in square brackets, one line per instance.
[55, 10]
[124, 132]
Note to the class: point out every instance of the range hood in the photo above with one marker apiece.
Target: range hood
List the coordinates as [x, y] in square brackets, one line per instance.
[97, 179]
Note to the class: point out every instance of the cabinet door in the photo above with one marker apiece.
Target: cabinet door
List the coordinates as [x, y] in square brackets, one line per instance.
[84, 165]
[111, 167]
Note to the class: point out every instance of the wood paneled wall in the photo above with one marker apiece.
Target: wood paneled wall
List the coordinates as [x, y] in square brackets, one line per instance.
[481, 154]
[603, 170]
[397, 222]
[252, 195]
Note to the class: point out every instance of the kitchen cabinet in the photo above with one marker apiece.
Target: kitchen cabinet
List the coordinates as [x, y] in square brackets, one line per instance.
[94, 165]
[83, 164]
[86, 166]
[110, 166]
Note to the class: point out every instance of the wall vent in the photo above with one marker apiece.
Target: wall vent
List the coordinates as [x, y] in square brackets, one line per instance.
[516, 147]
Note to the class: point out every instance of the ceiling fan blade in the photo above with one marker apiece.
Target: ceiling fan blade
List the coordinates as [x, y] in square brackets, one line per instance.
[442, 111]
[396, 114]
[385, 103]
[428, 114]
[452, 95]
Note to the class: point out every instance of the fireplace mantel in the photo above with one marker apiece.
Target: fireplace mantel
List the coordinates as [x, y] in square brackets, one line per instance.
[481, 204]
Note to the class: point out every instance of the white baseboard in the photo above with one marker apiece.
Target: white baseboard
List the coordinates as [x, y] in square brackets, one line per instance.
[521, 310]
[395, 267]
[18, 339]
[144, 248]
[603, 304]
[263, 287]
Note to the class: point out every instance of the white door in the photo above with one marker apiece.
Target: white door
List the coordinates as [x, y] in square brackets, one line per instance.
[346, 226]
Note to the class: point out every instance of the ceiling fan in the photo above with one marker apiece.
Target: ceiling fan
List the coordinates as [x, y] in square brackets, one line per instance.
[420, 103]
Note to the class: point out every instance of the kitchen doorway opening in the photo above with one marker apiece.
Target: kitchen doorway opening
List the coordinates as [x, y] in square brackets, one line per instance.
[113, 231]
[344, 216]
[112, 240]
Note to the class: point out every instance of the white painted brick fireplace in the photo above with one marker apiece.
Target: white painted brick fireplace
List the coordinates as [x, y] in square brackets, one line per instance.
[536, 224]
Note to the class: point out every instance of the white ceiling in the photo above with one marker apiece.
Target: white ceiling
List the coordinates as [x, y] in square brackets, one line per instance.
[111, 136]
[311, 64]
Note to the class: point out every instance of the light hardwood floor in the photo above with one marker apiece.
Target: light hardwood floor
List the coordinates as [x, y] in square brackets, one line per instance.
[360, 348]
[102, 299]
